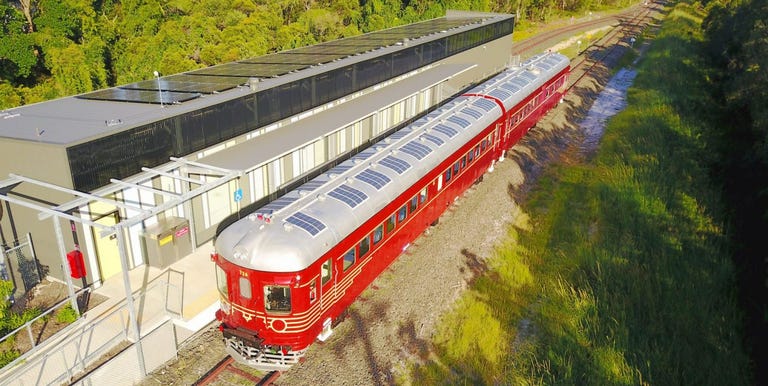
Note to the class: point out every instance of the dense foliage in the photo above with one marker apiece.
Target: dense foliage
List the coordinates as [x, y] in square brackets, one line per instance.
[622, 275]
[737, 42]
[54, 48]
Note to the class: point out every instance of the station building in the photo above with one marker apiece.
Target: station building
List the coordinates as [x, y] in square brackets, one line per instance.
[278, 120]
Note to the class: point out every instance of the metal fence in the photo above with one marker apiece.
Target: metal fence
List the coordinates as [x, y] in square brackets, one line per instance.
[104, 335]
[19, 265]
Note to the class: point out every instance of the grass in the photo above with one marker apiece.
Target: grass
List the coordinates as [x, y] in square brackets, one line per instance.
[624, 275]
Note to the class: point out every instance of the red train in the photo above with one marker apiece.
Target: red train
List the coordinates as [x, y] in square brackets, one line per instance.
[287, 271]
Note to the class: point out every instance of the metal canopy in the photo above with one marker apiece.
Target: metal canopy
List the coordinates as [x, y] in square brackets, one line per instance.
[104, 195]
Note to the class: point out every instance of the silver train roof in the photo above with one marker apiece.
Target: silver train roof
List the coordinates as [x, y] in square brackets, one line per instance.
[292, 232]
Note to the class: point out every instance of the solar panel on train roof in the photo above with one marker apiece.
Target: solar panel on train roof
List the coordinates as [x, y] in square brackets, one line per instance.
[306, 222]
[471, 112]
[396, 164]
[500, 94]
[278, 204]
[459, 121]
[416, 150]
[450, 132]
[373, 178]
[510, 87]
[485, 104]
[348, 195]
[436, 140]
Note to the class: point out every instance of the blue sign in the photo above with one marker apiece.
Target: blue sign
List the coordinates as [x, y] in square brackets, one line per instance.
[238, 195]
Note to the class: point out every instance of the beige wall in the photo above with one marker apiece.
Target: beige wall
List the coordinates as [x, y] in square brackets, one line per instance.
[46, 163]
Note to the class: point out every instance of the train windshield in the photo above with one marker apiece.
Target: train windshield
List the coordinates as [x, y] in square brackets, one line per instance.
[277, 298]
[221, 282]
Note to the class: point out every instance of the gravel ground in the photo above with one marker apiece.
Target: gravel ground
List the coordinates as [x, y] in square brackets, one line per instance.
[392, 323]
[394, 320]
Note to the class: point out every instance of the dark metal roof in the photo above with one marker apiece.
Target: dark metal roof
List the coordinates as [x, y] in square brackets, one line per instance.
[74, 120]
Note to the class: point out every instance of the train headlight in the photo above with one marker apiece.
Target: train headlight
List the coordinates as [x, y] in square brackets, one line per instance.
[240, 253]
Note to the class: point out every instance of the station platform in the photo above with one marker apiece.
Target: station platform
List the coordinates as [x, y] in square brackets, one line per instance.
[185, 291]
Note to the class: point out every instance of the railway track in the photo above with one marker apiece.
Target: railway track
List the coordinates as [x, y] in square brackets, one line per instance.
[609, 43]
[226, 372]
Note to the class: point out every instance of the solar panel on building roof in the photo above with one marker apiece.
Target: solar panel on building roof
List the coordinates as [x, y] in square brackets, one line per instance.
[141, 96]
[459, 121]
[395, 164]
[336, 50]
[373, 178]
[416, 149]
[348, 195]
[310, 224]
[290, 57]
[249, 70]
[447, 130]
[168, 85]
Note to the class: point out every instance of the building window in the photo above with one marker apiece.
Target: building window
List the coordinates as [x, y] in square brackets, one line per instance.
[277, 299]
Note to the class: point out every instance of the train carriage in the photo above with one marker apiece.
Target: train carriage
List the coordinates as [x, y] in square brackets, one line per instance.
[288, 270]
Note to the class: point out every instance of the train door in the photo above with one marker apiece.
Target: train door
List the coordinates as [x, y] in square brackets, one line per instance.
[327, 284]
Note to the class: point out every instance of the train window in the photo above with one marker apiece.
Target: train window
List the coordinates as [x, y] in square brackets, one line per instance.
[312, 292]
[477, 151]
[364, 246]
[277, 298]
[456, 169]
[325, 271]
[483, 145]
[423, 196]
[448, 175]
[471, 155]
[378, 233]
[390, 223]
[221, 281]
[414, 204]
[245, 288]
[463, 162]
[401, 213]
[349, 259]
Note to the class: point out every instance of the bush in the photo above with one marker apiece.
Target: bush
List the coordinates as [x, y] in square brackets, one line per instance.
[66, 315]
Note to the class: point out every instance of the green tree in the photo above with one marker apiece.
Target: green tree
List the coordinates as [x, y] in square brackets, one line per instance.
[18, 55]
